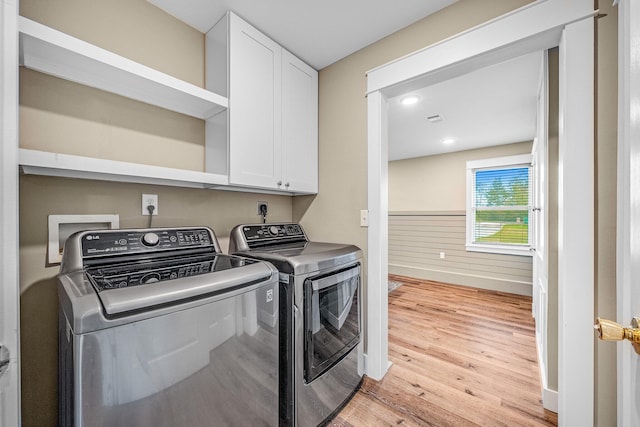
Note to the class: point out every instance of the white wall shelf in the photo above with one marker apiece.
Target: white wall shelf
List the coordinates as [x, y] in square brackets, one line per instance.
[52, 52]
[34, 162]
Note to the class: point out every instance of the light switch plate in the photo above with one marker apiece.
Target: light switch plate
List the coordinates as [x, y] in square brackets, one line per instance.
[364, 218]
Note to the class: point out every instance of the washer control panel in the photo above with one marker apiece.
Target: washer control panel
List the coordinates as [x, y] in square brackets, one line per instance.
[115, 242]
[262, 233]
[160, 269]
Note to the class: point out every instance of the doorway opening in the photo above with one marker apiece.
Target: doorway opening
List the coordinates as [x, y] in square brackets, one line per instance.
[440, 229]
[542, 25]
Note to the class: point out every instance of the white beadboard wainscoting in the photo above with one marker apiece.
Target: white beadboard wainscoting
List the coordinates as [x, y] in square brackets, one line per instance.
[416, 240]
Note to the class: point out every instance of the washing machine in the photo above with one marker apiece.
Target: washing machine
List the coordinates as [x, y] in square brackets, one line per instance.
[159, 328]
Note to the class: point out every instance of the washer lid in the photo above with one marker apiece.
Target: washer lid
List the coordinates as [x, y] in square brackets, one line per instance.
[156, 287]
[89, 307]
[307, 257]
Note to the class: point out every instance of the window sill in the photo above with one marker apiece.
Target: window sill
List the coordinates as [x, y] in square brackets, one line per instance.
[501, 249]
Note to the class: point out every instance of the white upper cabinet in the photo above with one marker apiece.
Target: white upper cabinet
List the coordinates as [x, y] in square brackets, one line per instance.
[299, 125]
[255, 128]
[271, 138]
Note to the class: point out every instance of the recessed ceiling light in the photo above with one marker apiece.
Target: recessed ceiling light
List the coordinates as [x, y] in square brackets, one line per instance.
[448, 141]
[410, 100]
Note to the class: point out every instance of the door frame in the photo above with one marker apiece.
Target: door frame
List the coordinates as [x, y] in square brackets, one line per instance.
[628, 225]
[9, 278]
[538, 26]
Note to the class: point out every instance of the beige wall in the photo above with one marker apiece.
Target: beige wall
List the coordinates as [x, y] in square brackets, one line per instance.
[439, 183]
[56, 115]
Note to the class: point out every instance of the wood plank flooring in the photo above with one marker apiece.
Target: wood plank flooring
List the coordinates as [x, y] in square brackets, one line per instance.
[461, 357]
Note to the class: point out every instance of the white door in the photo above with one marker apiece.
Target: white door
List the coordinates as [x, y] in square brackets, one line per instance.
[539, 222]
[9, 352]
[628, 235]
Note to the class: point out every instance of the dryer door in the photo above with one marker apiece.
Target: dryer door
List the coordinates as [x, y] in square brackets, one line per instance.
[332, 319]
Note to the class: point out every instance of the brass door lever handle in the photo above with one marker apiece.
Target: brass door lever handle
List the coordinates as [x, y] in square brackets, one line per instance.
[609, 330]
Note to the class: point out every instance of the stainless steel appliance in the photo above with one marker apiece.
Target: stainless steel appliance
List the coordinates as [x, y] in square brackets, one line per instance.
[320, 366]
[158, 328]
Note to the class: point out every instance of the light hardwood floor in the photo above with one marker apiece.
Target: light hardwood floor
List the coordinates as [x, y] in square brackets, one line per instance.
[461, 357]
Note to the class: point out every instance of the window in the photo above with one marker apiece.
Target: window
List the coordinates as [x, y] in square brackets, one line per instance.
[499, 194]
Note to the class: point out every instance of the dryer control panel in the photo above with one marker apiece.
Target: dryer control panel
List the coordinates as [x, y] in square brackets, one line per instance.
[262, 234]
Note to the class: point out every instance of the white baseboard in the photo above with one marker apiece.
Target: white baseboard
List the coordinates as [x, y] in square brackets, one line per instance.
[549, 397]
[550, 400]
[365, 367]
[489, 283]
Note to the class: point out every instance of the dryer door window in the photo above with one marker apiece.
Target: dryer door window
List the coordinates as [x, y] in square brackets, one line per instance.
[332, 319]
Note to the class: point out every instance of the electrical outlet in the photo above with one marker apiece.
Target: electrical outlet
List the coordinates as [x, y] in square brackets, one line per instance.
[266, 208]
[149, 200]
[441, 255]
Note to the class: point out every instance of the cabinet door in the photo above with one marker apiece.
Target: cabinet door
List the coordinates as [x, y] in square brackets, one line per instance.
[255, 106]
[299, 125]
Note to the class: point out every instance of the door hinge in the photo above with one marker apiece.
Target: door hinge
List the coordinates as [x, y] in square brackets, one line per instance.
[4, 359]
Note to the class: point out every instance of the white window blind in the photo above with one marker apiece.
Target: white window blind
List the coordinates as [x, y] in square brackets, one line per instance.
[499, 205]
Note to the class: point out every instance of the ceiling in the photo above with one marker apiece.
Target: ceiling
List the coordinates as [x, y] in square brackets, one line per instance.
[320, 32]
[491, 106]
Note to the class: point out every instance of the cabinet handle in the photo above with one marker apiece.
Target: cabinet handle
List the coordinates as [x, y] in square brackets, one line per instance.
[279, 183]
[287, 184]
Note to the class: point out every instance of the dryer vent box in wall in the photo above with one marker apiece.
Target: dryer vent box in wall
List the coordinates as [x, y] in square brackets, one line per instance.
[63, 226]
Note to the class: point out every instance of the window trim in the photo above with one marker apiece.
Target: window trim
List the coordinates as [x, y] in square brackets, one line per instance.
[496, 162]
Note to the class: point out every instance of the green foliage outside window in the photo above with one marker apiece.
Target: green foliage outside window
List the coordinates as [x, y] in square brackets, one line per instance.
[496, 191]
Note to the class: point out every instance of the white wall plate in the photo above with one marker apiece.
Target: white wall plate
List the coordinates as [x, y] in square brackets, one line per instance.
[62, 226]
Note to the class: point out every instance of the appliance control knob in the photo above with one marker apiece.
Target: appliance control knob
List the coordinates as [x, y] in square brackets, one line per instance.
[150, 239]
[273, 230]
[150, 278]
